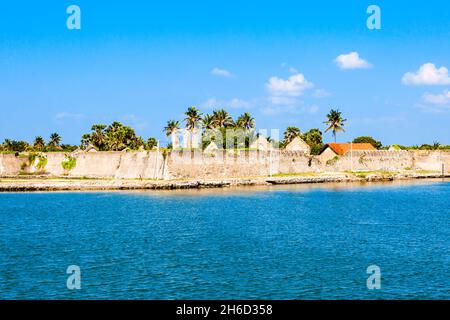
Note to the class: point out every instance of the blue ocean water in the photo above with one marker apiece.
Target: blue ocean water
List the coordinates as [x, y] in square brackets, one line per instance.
[299, 242]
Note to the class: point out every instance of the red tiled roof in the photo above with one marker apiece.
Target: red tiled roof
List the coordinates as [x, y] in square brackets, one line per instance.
[343, 148]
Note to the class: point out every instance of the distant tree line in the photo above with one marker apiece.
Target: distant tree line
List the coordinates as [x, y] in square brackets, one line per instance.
[38, 145]
[118, 137]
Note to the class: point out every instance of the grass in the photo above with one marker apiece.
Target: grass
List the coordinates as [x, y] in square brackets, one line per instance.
[299, 174]
[427, 171]
[364, 174]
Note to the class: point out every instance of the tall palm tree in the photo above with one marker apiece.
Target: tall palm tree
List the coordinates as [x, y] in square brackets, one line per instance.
[193, 117]
[55, 140]
[39, 143]
[245, 121]
[335, 122]
[171, 127]
[208, 121]
[222, 119]
[290, 134]
[171, 130]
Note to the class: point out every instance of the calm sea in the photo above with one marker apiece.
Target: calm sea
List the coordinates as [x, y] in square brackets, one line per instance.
[301, 242]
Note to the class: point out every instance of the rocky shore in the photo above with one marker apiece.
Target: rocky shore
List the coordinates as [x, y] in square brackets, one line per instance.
[29, 184]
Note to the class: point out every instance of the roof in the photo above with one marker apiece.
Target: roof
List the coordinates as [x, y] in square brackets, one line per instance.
[298, 144]
[343, 148]
[261, 143]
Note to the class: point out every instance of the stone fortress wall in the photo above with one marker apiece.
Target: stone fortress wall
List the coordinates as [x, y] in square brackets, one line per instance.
[218, 164]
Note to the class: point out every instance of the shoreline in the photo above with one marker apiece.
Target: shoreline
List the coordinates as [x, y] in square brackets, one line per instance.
[40, 184]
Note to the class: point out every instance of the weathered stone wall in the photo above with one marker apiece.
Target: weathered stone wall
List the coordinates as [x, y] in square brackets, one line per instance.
[145, 165]
[372, 160]
[220, 164]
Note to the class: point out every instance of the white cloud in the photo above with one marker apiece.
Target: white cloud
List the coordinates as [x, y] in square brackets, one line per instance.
[351, 60]
[427, 74]
[294, 86]
[439, 99]
[221, 72]
[234, 103]
[435, 103]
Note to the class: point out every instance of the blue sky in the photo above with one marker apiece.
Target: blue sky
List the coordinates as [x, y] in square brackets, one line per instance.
[145, 62]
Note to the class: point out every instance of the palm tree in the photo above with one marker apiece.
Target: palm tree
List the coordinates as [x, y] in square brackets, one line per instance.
[55, 140]
[193, 117]
[245, 121]
[222, 119]
[151, 143]
[39, 143]
[98, 137]
[171, 129]
[436, 145]
[8, 145]
[290, 134]
[208, 121]
[85, 140]
[335, 122]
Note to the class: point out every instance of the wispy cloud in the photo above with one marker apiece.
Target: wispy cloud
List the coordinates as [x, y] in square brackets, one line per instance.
[296, 108]
[221, 72]
[351, 60]
[435, 103]
[321, 93]
[427, 74]
[68, 116]
[134, 121]
[441, 98]
[234, 103]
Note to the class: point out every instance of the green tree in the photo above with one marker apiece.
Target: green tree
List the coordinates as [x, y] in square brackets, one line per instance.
[171, 130]
[115, 137]
[436, 145]
[208, 122]
[39, 143]
[335, 122]
[55, 140]
[98, 137]
[8, 145]
[290, 134]
[314, 139]
[18, 146]
[120, 137]
[193, 118]
[85, 140]
[245, 121]
[151, 143]
[171, 127]
[222, 119]
[368, 139]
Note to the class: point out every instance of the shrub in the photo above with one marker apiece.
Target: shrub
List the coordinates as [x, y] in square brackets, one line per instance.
[69, 163]
[332, 161]
[41, 163]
